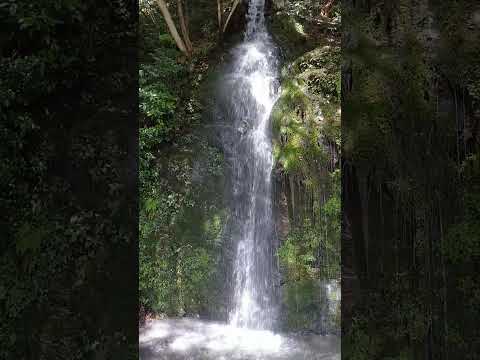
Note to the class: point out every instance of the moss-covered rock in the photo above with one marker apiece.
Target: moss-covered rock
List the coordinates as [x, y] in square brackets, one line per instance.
[289, 35]
[306, 129]
[307, 113]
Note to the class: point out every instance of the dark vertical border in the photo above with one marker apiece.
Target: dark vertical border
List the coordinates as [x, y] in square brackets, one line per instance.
[410, 179]
[69, 188]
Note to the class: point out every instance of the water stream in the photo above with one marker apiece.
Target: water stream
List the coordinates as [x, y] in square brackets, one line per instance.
[252, 87]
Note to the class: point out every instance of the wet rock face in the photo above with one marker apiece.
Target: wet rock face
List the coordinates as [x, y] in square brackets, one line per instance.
[309, 104]
[278, 4]
[281, 205]
[269, 7]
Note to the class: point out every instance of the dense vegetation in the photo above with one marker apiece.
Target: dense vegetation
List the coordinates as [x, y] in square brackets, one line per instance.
[181, 209]
[411, 169]
[68, 189]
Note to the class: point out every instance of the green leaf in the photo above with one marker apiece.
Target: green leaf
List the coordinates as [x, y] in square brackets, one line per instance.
[29, 238]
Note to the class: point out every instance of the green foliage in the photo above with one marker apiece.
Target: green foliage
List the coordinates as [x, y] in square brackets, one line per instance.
[362, 346]
[289, 34]
[308, 110]
[29, 238]
[467, 230]
[159, 90]
[299, 253]
[181, 210]
[301, 300]
[180, 232]
[306, 126]
[309, 255]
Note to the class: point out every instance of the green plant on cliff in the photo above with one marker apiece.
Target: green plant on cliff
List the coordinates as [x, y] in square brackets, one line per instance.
[306, 126]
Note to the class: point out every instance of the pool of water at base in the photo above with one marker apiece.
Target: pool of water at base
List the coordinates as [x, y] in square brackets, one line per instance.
[193, 339]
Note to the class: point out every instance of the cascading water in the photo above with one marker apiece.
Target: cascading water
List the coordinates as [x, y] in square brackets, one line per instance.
[252, 87]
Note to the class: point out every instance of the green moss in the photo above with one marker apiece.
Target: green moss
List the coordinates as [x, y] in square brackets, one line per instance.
[307, 110]
[289, 34]
[305, 118]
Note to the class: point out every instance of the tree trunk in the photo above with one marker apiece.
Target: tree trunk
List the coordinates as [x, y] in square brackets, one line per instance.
[183, 27]
[235, 4]
[219, 15]
[327, 8]
[171, 27]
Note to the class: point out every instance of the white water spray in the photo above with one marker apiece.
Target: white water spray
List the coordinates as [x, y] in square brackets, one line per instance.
[252, 90]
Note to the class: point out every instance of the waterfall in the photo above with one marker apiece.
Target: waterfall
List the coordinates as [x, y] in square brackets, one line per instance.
[248, 87]
[255, 18]
[250, 91]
